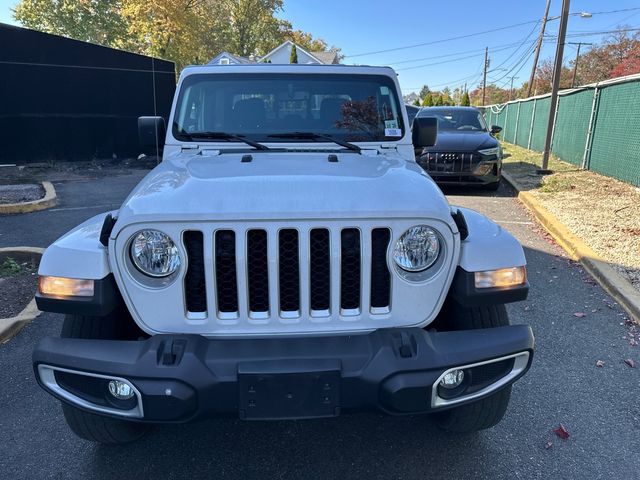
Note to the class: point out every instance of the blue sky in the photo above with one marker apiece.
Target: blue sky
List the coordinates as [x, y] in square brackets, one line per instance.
[363, 26]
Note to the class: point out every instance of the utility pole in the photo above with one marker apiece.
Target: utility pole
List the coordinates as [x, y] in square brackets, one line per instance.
[575, 64]
[511, 88]
[557, 70]
[484, 78]
[538, 46]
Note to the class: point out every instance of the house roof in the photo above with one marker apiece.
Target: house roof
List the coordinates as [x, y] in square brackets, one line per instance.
[330, 57]
[237, 58]
[298, 47]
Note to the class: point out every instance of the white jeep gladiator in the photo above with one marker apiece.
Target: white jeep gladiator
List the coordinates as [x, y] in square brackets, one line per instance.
[287, 259]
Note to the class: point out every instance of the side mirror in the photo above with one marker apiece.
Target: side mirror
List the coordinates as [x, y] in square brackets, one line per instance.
[151, 134]
[495, 129]
[424, 131]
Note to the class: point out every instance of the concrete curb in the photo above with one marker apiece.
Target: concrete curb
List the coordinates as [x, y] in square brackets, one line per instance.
[49, 200]
[615, 284]
[9, 327]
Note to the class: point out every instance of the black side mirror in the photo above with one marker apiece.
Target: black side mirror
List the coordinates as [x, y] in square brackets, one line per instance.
[495, 129]
[151, 133]
[424, 131]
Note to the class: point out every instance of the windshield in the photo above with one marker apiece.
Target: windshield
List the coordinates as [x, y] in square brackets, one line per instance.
[456, 120]
[259, 106]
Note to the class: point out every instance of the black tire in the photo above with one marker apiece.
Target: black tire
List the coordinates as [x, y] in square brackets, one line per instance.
[487, 412]
[90, 426]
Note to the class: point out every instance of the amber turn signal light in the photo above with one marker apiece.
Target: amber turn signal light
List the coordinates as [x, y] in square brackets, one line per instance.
[504, 277]
[65, 287]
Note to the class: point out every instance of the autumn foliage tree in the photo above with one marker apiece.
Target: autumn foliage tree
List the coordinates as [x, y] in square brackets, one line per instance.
[184, 31]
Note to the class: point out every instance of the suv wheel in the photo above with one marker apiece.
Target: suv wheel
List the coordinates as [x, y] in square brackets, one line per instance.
[90, 426]
[489, 411]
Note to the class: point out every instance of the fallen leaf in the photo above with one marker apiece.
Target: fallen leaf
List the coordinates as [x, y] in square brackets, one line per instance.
[594, 310]
[633, 342]
[562, 432]
[579, 314]
[548, 445]
[630, 362]
[600, 363]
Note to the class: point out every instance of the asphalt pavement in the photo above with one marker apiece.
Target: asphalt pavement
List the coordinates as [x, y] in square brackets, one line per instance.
[600, 407]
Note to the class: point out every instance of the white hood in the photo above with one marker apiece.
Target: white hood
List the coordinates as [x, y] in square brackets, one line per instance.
[283, 185]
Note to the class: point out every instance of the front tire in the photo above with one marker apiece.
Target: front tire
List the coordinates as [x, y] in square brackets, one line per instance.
[488, 412]
[90, 426]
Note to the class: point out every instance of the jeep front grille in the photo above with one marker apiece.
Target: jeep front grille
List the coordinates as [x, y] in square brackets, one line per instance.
[288, 274]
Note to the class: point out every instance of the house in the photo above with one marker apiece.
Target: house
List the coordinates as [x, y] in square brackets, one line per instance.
[280, 54]
[411, 98]
[226, 58]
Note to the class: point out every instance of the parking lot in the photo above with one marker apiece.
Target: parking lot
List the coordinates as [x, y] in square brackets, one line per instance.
[598, 406]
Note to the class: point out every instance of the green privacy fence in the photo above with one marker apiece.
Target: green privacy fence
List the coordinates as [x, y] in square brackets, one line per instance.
[597, 126]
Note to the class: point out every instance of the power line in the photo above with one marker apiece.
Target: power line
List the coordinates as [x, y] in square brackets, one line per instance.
[433, 42]
[448, 61]
[505, 47]
[484, 32]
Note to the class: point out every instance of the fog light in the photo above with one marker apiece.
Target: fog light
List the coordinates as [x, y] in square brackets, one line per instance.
[121, 390]
[452, 379]
[505, 277]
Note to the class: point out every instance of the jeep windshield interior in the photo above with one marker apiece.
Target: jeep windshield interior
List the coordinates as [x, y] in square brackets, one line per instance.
[268, 107]
[456, 119]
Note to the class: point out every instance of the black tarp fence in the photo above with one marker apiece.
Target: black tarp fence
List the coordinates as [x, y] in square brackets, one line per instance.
[66, 100]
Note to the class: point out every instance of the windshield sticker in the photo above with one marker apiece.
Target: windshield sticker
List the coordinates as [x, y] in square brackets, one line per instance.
[392, 132]
[390, 124]
[384, 90]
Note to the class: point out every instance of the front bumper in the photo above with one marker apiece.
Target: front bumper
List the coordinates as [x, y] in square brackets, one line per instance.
[178, 378]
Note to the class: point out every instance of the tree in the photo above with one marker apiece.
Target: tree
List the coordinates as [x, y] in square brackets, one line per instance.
[95, 21]
[427, 101]
[465, 102]
[184, 31]
[293, 57]
[424, 91]
[416, 102]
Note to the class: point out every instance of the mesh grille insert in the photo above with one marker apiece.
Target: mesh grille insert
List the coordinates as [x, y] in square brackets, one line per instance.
[380, 275]
[194, 280]
[258, 271]
[226, 275]
[350, 269]
[320, 269]
[289, 270]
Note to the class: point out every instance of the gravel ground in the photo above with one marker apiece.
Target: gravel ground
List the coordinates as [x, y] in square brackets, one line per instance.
[22, 192]
[16, 292]
[603, 212]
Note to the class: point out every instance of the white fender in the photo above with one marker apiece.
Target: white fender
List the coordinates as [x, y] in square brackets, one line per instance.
[488, 246]
[78, 253]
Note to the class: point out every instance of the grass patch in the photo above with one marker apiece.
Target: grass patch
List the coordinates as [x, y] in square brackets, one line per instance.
[10, 267]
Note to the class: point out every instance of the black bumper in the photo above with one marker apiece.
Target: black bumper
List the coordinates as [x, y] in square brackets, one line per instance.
[184, 377]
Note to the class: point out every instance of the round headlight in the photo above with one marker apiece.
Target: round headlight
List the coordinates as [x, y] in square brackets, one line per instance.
[417, 249]
[154, 253]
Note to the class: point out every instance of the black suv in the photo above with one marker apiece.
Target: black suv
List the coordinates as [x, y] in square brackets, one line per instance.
[466, 152]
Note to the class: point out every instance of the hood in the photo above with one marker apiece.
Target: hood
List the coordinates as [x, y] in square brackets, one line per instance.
[283, 185]
[463, 142]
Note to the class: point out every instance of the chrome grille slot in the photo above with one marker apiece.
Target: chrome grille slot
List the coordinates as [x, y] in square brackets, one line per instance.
[320, 272]
[350, 268]
[194, 280]
[258, 273]
[380, 275]
[226, 273]
[289, 272]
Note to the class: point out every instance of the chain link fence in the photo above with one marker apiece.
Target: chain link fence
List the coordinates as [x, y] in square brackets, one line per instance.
[597, 126]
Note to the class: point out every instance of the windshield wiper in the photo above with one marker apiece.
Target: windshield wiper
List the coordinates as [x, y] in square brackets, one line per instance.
[316, 136]
[223, 136]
